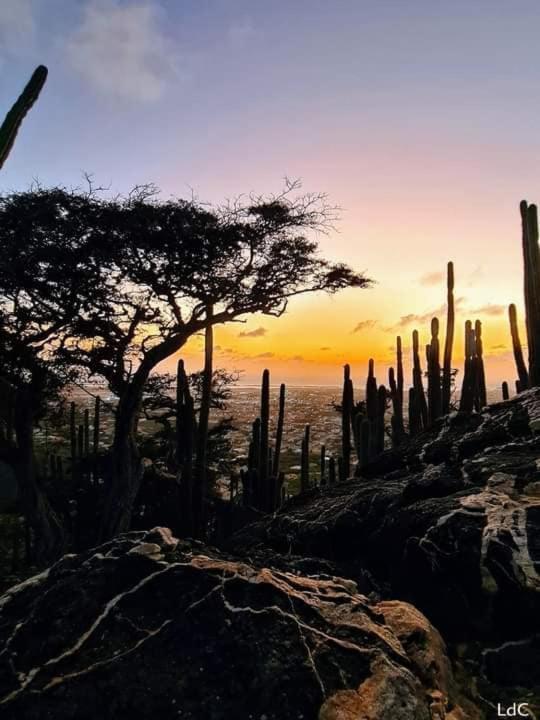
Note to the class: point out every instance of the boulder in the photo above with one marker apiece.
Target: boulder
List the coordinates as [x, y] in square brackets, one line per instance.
[147, 626]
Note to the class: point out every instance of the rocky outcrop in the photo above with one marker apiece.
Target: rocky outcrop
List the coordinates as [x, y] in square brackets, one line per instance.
[146, 626]
[450, 524]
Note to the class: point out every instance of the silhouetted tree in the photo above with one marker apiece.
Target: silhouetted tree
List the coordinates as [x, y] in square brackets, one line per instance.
[45, 282]
[161, 266]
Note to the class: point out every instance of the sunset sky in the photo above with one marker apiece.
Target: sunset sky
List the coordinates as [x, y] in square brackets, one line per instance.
[420, 119]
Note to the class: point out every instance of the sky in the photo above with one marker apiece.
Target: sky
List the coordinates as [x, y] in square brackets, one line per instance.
[419, 119]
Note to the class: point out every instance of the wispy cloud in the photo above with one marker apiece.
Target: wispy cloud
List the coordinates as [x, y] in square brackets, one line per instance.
[490, 309]
[122, 51]
[420, 319]
[265, 355]
[432, 278]
[364, 325]
[324, 348]
[258, 332]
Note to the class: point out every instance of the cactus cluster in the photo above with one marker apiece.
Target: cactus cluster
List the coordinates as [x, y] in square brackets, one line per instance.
[262, 480]
[81, 448]
[473, 388]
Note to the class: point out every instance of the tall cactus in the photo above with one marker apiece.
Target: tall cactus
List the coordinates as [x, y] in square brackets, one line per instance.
[279, 431]
[347, 403]
[531, 267]
[434, 373]
[304, 463]
[14, 118]
[418, 383]
[398, 429]
[262, 481]
[466, 402]
[480, 384]
[516, 346]
[449, 340]
[505, 391]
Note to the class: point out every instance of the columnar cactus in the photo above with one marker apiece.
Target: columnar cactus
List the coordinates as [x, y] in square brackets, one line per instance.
[418, 383]
[323, 466]
[449, 341]
[516, 346]
[480, 384]
[415, 417]
[398, 429]
[531, 266]
[379, 427]
[262, 480]
[14, 118]
[505, 391]
[466, 402]
[347, 403]
[304, 463]
[434, 373]
[96, 427]
[279, 431]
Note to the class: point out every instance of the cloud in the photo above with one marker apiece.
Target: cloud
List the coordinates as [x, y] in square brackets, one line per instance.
[420, 319]
[324, 348]
[265, 355]
[17, 26]
[122, 51]
[498, 347]
[258, 332]
[297, 357]
[490, 309]
[364, 325]
[432, 278]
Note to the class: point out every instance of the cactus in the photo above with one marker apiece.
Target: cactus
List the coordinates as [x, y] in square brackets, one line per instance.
[86, 433]
[449, 340]
[531, 266]
[415, 418]
[73, 436]
[398, 429]
[347, 404]
[279, 431]
[399, 367]
[480, 380]
[332, 471]
[323, 466]
[466, 402]
[262, 481]
[418, 383]
[516, 346]
[14, 118]
[378, 445]
[97, 420]
[264, 444]
[304, 464]
[505, 392]
[364, 444]
[434, 373]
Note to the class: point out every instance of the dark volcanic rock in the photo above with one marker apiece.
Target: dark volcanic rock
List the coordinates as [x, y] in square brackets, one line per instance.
[148, 627]
[451, 524]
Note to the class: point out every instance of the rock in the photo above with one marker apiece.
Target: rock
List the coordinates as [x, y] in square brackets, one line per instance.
[449, 523]
[146, 626]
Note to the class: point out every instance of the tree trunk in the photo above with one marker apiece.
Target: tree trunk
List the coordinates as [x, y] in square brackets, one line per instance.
[201, 481]
[47, 528]
[127, 467]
